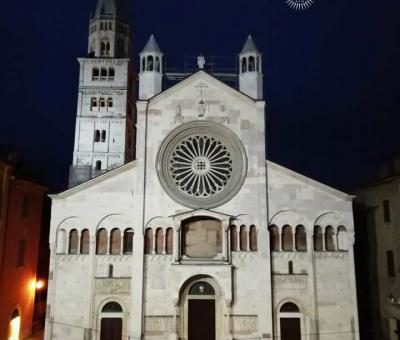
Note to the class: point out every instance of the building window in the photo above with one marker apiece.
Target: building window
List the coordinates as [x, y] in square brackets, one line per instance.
[329, 238]
[159, 241]
[21, 253]
[169, 241]
[98, 165]
[103, 75]
[386, 211]
[61, 241]
[253, 238]
[110, 103]
[148, 241]
[128, 241]
[101, 242]
[93, 104]
[85, 242]
[103, 136]
[274, 238]
[150, 63]
[318, 239]
[111, 74]
[110, 271]
[73, 242]
[25, 206]
[301, 238]
[287, 238]
[97, 136]
[390, 263]
[290, 267]
[252, 64]
[234, 240]
[102, 102]
[95, 74]
[342, 243]
[115, 242]
[243, 238]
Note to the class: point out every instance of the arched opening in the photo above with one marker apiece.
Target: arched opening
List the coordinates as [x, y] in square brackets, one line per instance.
[101, 242]
[158, 64]
[115, 242]
[342, 243]
[110, 103]
[287, 238]
[169, 243]
[95, 73]
[15, 326]
[329, 238]
[318, 238]
[301, 238]
[128, 241]
[244, 65]
[85, 241]
[61, 241]
[200, 310]
[102, 103]
[73, 242]
[253, 238]
[159, 241]
[252, 64]
[93, 104]
[243, 238]
[103, 74]
[111, 322]
[98, 165]
[290, 322]
[111, 74]
[201, 238]
[150, 63]
[274, 238]
[103, 136]
[234, 238]
[148, 241]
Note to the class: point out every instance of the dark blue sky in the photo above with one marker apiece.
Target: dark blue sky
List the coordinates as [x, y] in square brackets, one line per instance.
[332, 75]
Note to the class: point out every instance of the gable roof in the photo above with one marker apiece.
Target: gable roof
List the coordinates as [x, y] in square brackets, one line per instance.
[201, 74]
[309, 181]
[99, 179]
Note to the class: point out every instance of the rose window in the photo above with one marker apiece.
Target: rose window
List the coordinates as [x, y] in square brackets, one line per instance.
[201, 164]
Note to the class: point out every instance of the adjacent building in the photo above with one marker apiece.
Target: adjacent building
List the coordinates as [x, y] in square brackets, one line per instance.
[378, 215]
[199, 238]
[20, 224]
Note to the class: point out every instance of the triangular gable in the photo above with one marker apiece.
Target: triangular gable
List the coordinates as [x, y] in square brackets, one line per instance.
[94, 181]
[207, 77]
[318, 185]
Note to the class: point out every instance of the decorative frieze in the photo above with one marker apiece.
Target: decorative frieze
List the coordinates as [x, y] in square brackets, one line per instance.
[159, 324]
[331, 254]
[113, 286]
[287, 282]
[244, 324]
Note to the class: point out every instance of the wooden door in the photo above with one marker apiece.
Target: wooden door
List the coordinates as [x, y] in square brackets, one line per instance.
[201, 321]
[290, 329]
[111, 329]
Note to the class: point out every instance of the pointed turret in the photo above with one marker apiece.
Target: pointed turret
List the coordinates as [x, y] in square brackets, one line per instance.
[151, 69]
[250, 74]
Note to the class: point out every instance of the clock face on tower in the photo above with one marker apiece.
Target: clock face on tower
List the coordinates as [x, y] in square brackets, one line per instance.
[202, 164]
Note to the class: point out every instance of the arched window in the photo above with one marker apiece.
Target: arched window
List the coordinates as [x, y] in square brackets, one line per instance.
[169, 241]
[111, 74]
[103, 74]
[85, 241]
[93, 104]
[112, 307]
[274, 238]
[95, 73]
[103, 136]
[289, 320]
[253, 238]
[342, 243]
[159, 241]
[234, 238]
[301, 238]
[98, 165]
[148, 239]
[105, 48]
[158, 65]
[252, 64]
[111, 321]
[318, 238]
[243, 238]
[150, 63]
[329, 238]
[73, 242]
[128, 241]
[15, 326]
[115, 242]
[244, 65]
[102, 102]
[101, 242]
[290, 307]
[287, 238]
[110, 271]
[290, 265]
[61, 241]
[110, 103]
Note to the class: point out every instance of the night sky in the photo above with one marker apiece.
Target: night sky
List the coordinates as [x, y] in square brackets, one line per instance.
[332, 75]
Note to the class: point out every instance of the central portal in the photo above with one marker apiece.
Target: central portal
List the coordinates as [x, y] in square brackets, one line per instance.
[201, 320]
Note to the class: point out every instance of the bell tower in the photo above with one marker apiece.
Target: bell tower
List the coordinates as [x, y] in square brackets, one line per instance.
[104, 131]
[250, 74]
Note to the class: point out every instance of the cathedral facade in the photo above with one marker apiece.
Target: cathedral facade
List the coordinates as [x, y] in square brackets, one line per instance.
[199, 237]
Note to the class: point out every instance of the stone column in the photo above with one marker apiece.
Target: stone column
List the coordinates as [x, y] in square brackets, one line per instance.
[176, 242]
[225, 230]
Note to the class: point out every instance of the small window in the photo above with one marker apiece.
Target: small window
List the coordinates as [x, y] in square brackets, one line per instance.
[290, 267]
[93, 104]
[148, 245]
[253, 238]
[101, 242]
[115, 242]
[252, 64]
[329, 238]
[110, 271]
[98, 165]
[103, 136]
[112, 307]
[287, 238]
[25, 206]
[102, 103]
[274, 238]
[103, 74]
[110, 103]
[97, 136]
[301, 238]
[128, 241]
[390, 263]
[318, 238]
[169, 241]
[111, 74]
[234, 240]
[159, 241]
[85, 241]
[289, 307]
[73, 242]
[21, 253]
[386, 211]
[150, 63]
[201, 288]
[243, 238]
[95, 74]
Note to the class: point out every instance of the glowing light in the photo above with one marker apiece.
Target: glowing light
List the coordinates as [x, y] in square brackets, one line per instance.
[39, 284]
[15, 325]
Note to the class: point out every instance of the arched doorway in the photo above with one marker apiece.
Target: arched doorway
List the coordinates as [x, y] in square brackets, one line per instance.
[200, 316]
[15, 326]
[290, 322]
[111, 322]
